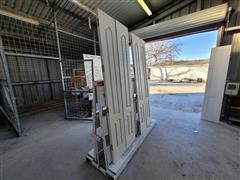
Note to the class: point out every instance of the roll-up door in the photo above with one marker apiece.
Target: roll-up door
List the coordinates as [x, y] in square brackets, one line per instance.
[207, 19]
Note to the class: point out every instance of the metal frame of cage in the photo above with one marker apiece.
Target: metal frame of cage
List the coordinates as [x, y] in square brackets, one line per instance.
[75, 105]
[39, 42]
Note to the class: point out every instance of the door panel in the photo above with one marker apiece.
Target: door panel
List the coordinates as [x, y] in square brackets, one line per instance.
[138, 54]
[112, 80]
[127, 91]
[146, 88]
[217, 75]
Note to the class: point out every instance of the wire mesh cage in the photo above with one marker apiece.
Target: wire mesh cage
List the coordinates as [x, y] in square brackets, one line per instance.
[78, 95]
[32, 59]
[32, 54]
[22, 37]
[44, 58]
[74, 46]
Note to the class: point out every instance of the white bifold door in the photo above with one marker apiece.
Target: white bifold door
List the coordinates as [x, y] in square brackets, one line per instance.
[217, 75]
[114, 44]
[126, 84]
[139, 61]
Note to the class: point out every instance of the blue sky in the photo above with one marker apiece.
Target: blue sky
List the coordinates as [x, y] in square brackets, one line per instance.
[196, 46]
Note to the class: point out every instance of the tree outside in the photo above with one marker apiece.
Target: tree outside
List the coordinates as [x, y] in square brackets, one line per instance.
[162, 53]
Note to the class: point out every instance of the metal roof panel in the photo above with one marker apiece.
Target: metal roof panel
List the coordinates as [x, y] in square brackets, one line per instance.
[126, 11]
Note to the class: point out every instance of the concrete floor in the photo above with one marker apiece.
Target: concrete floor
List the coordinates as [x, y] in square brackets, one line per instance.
[180, 146]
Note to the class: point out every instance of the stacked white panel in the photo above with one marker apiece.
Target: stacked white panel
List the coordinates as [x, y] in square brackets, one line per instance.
[119, 94]
[117, 132]
[139, 61]
[110, 60]
[217, 75]
[127, 90]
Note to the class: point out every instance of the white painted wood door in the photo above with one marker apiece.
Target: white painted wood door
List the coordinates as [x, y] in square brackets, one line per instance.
[217, 75]
[112, 83]
[139, 61]
[146, 86]
[126, 85]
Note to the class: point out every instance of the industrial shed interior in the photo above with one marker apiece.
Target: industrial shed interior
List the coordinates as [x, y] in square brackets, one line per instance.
[75, 102]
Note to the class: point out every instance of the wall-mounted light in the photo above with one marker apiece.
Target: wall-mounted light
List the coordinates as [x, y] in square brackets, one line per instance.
[145, 7]
[19, 17]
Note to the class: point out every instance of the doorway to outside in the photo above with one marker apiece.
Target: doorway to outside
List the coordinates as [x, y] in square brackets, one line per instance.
[177, 73]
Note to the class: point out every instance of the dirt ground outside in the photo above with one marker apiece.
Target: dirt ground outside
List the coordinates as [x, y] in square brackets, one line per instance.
[156, 87]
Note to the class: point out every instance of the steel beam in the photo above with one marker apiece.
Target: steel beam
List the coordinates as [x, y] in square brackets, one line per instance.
[19, 17]
[235, 28]
[78, 36]
[31, 55]
[10, 12]
[35, 82]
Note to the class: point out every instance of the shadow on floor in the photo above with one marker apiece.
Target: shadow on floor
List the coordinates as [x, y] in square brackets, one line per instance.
[181, 146]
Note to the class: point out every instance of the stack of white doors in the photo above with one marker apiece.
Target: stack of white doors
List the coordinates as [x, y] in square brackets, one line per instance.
[123, 113]
[138, 50]
[114, 39]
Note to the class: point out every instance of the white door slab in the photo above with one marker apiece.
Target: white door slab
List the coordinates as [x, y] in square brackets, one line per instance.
[127, 91]
[139, 61]
[112, 83]
[217, 75]
[146, 86]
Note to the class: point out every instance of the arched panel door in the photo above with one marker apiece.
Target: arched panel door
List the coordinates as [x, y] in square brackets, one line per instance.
[139, 61]
[112, 83]
[127, 90]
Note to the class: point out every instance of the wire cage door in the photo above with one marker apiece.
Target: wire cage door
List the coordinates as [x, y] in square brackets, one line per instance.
[78, 88]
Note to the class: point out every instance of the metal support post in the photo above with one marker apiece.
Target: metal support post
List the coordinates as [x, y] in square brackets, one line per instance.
[9, 83]
[60, 61]
[94, 38]
[220, 35]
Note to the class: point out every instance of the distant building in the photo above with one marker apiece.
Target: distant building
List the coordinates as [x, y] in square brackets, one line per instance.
[179, 70]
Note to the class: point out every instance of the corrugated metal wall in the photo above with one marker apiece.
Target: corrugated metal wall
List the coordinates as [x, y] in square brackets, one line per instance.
[234, 66]
[2, 73]
[38, 80]
[233, 37]
[190, 8]
[35, 80]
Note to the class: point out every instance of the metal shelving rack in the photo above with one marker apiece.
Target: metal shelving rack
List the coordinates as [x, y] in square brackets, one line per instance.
[101, 154]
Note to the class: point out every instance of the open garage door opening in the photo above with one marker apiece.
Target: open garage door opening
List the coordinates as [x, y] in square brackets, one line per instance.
[178, 70]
